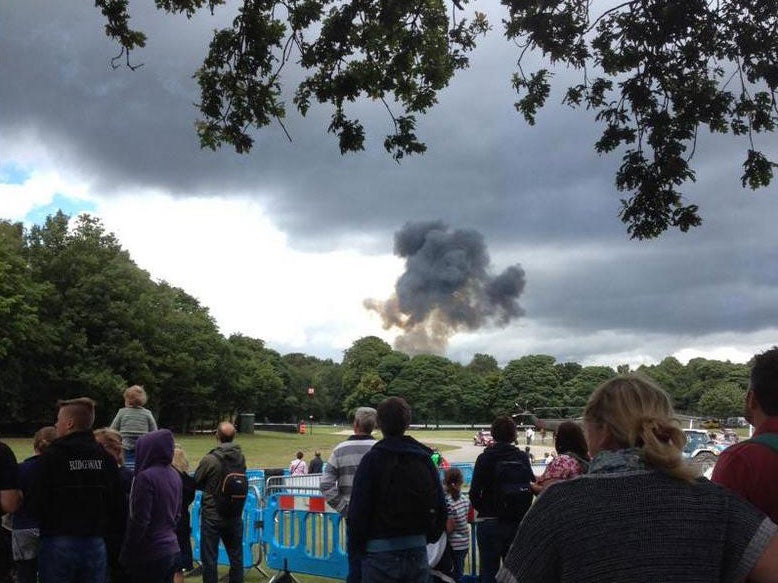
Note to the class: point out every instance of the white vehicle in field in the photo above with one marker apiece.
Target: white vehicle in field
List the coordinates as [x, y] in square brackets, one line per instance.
[702, 450]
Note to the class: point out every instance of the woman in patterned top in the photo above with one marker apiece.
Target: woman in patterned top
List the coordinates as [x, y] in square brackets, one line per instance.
[639, 513]
[456, 527]
[573, 458]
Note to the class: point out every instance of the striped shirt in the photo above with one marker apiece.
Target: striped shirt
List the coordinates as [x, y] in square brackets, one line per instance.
[338, 476]
[132, 422]
[459, 538]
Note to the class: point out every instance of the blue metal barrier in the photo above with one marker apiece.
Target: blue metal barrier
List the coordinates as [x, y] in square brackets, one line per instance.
[302, 534]
[467, 473]
[299, 532]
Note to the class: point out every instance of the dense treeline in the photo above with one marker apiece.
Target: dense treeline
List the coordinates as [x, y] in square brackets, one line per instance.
[79, 317]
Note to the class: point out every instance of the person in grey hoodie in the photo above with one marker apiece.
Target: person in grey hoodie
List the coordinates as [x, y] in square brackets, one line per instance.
[150, 546]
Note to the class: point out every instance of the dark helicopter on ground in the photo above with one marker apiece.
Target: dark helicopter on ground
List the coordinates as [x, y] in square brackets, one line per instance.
[528, 418]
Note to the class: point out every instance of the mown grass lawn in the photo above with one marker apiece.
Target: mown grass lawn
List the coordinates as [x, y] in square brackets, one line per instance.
[270, 449]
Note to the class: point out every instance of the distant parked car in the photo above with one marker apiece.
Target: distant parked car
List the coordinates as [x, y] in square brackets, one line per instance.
[735, 422]
[702, 450]
[483, 437]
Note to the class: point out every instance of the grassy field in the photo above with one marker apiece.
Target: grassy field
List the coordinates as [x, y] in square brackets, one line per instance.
[270, 449]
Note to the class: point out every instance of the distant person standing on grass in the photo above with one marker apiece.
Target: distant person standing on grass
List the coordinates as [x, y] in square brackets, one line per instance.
[316, 464]
[132, 421]
[297, 466]
[338, 476]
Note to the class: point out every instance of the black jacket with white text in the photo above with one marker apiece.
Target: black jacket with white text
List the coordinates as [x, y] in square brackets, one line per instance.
[76, 490]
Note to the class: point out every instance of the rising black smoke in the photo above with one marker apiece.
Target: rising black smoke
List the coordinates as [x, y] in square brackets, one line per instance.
[446, 287]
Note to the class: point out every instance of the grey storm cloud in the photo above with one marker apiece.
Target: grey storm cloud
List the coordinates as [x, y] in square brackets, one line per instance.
[533, 192]
[446, 287]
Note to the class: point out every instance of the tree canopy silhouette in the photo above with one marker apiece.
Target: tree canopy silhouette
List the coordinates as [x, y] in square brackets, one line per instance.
[655, 72]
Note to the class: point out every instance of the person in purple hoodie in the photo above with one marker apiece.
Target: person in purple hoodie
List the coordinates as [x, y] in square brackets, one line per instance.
[150, 546]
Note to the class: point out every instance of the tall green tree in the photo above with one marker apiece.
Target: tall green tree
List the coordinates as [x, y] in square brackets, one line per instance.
[362, 357]
[370, 391]
[186, 357]
[483, 364]
[655, 73]
[430, 385]
[24, 338]
[92, 303]
[531, 381]
[724, 399]
[577, 390]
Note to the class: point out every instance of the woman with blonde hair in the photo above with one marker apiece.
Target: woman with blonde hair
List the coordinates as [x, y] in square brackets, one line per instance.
[184, 562]
[132, 421]
[111, 440]
[639, 514]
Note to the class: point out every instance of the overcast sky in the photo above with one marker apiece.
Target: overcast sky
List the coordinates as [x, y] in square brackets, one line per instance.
[285, 243]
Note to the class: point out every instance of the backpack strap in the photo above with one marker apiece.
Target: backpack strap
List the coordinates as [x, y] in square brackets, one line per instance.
[767, 439]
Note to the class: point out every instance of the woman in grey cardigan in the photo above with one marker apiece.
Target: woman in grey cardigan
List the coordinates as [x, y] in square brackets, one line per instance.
[639, 514]
[132, 421]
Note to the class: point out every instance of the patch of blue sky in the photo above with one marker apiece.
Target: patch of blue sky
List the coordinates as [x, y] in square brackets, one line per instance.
[70, 206]
[12, 174]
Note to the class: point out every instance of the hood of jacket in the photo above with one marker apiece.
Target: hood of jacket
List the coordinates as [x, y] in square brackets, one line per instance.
[404, 444]
[154, 449]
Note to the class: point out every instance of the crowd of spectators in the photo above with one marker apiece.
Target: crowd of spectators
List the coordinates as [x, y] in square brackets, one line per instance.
[618, 502]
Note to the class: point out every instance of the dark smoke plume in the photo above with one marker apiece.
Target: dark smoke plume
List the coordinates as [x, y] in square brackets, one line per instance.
[446, 288]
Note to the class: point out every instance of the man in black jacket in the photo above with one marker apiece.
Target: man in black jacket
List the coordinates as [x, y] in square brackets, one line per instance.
[497, 524]
[77, 498]
[397, 503]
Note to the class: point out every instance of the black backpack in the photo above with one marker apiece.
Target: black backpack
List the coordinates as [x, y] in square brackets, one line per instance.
[230, 496]
[513, 492]
[408, 497]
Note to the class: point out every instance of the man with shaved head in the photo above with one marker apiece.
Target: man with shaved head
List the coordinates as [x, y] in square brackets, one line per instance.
[217, 519]
[76, 496]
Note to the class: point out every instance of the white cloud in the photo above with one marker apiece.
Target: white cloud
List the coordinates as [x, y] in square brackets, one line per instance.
[235, 261]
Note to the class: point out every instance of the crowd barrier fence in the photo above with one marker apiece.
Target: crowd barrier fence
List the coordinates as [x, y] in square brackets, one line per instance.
[289, 523]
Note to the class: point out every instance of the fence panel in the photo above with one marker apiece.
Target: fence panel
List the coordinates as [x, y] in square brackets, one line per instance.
[302, 534]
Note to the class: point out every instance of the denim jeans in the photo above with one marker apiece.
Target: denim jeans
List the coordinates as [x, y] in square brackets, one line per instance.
[230, 531]
[403, 566]
[494, 539]
[157, 571]
[72, 559]
[459, 563]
